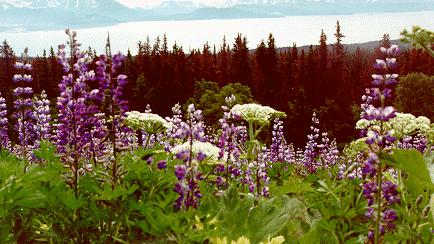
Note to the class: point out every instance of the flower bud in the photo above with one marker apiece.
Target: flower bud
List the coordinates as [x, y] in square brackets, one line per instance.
[425, 211]
[419, 200]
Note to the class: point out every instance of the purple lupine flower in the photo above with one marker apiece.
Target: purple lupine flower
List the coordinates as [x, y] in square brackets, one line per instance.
[380, 114]
[201, 156]
[72, 130]
[370, 166]
[23, 109]
[220, 168]
[111, 91]
[228, 144]
[369, 213]
[193, 128]
[384, 193]
[418, 142]
[310, 154]
[4, 137]
[162, 164]
[328, 151]
[93, 128]
[280, 151]
[188, 173]
[390, 192]
[183, 155]
[42, 118]
[389, 218]
[175, 122]
[369, 191]
[261, 177]
[352, 169]
[255, 175]
[319, 152]
[187, 188]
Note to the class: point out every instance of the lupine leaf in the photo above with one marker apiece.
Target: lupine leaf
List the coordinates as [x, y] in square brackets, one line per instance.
[47, 152]
[292, 185]
[413, 164]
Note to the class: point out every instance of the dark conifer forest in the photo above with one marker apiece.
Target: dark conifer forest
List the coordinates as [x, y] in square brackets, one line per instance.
[325, 78]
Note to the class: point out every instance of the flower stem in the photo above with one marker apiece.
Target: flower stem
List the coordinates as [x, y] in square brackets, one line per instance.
[378, 220]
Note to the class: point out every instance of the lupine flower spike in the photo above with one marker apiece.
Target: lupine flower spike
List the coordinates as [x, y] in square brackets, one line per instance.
[4, 137]
[42, 118]
[376, 190]
[23, 107]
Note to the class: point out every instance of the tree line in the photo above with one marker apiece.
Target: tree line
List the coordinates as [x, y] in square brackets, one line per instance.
[326, 78]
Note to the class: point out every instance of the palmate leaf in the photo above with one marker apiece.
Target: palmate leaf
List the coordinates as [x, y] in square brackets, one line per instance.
[429, 159]
[71, 202]
[234, 213]
[47, 152]
[121, 192]
[292, 185]
[419, 170]
[269, 217]
[322, 231]
[240, 216]
[19, 190]
[414, 165]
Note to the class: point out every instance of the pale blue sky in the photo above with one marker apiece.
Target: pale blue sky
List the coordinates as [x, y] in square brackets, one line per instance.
[151, 3]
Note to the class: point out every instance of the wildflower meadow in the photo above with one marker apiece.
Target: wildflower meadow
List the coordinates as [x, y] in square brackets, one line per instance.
[88, 169]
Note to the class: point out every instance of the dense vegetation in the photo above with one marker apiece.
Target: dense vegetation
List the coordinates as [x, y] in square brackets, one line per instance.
[327, 78]
[93, 170]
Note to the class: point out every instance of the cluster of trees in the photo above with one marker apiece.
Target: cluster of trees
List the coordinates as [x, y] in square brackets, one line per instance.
[326, 78]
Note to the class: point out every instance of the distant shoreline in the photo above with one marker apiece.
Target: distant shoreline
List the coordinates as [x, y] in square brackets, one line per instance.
[22, 29]
[193, 34]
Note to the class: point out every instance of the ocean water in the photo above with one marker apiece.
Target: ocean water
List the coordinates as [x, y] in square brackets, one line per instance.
[302, 30]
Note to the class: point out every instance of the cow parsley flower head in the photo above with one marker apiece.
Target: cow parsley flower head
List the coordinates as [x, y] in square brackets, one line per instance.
[406, 124]
[255, 113]
[403, 124]
[363, 124]
[423, 120]
[199, 149]
[148, 122]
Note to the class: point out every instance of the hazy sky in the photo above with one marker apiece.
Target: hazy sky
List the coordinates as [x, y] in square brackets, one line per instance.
[150, 3]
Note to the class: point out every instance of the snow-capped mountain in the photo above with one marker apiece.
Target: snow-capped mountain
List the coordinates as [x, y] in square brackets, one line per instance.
[18, 15]
[57, 4]
[35, 4]
[161, 4]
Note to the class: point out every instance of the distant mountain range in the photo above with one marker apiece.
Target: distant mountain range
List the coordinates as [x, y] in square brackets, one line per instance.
[27, 15]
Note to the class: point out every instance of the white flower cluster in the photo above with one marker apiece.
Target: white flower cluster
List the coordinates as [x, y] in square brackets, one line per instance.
[148, 122]
[256, 113]
[206, 148]
[404, 124]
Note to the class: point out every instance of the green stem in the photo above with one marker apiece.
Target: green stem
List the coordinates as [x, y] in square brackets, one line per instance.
[74, 122]
[379, 179]
[147, 140]
[378, 220]
[251, 145]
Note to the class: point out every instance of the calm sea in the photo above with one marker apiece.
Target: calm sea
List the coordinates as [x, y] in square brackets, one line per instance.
[303, 30]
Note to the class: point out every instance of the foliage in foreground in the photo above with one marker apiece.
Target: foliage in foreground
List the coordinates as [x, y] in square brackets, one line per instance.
[39, 205]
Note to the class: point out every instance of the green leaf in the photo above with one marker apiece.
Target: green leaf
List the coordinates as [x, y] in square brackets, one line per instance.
[71, 202]
[268, 218]
[292, 185]
[414, 165]
[429, 158]
[119, 192]
[47, 152]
